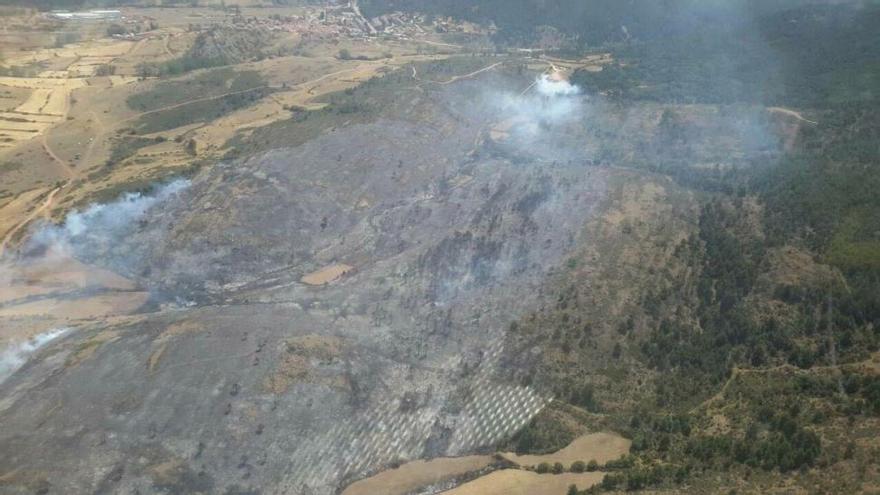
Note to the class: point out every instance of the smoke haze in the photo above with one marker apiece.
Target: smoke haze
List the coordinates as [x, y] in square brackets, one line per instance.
[16, 355]
[99, 228]
[551, 103]
[551, 87]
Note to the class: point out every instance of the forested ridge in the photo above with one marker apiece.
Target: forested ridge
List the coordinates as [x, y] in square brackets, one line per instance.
[782, 360]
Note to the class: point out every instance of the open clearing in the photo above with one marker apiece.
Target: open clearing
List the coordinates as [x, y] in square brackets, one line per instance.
[516, 482]
[600, 447]
[408, 478]
[327, 275]
[57, 274]
[417, 474]
[57, 290]
[81, 308]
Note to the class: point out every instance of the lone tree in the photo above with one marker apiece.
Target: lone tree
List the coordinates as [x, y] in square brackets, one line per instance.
[192, 147]
[572, 490]
[578, 467]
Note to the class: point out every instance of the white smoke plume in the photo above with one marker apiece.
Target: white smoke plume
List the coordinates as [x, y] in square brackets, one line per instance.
[87, 252]
[16, 355]
[534, 120]
[548, 86]
[100, 227]
[551, 103]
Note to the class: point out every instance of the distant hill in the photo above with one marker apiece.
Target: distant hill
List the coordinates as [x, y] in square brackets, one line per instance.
[599, 21]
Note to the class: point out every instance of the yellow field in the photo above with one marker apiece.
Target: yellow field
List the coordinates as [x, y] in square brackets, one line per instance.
[599, 447]
[47, 105]
[414, 475]
[106, 48]
[60, 280]
[516, 482]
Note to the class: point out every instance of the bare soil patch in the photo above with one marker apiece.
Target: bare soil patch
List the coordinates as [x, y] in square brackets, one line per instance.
[80, 308]
[327, 275]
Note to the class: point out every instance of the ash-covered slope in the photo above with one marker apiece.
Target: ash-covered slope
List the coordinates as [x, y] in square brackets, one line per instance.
[324, 311]
[272, 385]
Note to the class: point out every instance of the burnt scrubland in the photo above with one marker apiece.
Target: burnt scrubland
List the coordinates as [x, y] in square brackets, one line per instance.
[444, 239]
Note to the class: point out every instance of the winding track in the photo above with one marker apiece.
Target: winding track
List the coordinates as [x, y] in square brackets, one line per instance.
[66, 166]
[415, 74]
[34, 214]
[791, 113]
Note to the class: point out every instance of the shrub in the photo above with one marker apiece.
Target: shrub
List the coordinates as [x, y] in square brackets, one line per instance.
[611, 481]
[105, 70]
[115, 30]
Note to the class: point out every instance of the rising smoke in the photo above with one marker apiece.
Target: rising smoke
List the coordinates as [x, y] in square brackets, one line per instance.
[550, 87]
[536, 119]
[98, 230]
[95, 236]
[548, 104]
[16, 355]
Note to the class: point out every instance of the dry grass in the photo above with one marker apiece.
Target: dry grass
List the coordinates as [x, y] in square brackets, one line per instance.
[600, 447]
[516, 482]
[296, 363]
[411, 476]
[83, 308]
[59, 291]
[156, 356]
[18, 208]
[327, 275]
[161, 343]
[56, 275]
[87, 349]
[291, 369]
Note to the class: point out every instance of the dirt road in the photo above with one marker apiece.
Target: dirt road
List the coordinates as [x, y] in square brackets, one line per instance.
[66, 166]
[165, 46]
[44, 207]
[224, 95]
[791, 113]
[415, 74]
